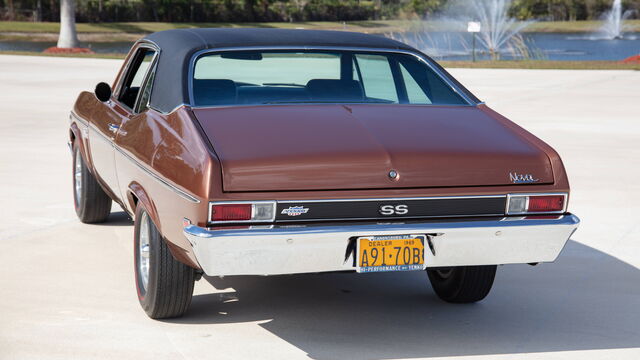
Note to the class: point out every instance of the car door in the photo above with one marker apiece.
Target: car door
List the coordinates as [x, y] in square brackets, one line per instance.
[106, 122]
[136, 139]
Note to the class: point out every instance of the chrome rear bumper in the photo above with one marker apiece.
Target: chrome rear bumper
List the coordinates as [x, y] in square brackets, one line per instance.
[271, 250]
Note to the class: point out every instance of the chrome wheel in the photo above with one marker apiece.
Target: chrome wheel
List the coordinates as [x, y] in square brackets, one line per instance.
[143, 250]
[77, 177]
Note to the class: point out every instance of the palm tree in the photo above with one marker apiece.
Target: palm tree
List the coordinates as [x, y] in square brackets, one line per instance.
[10, 10]
[68, 37]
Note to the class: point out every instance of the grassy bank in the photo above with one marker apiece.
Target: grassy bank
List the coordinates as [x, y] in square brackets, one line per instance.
[577, 26]
[374, 26]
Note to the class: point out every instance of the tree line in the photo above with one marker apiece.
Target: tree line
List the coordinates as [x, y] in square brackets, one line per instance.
[288, 10]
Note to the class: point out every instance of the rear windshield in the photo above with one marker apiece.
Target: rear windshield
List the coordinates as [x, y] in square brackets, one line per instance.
[290, 77]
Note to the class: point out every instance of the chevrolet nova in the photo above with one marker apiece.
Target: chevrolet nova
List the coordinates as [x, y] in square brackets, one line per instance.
[264, 152]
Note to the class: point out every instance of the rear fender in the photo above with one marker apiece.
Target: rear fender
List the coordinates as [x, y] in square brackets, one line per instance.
[136, 195]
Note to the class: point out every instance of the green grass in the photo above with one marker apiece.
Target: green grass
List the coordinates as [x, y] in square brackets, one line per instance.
[373, 26]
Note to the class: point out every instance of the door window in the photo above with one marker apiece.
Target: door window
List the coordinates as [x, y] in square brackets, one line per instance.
[135, 76]
[143, 102]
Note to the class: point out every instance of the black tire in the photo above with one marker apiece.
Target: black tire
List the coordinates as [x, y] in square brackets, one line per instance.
[92, 204]
[169, 283]
[463, 284]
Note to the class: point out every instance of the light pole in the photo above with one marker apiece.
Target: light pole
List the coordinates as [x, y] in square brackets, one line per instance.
[473, 27]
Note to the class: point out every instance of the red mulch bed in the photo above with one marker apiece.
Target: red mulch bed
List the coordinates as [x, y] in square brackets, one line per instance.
[632, 60]
[57, 50]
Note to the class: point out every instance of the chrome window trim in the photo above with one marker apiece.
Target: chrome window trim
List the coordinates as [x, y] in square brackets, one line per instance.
[134, 48]
[564, 208]
[419, 56]
[152, 69]
[212, 203]
[322, 104]
[115, 95]
[170, 111]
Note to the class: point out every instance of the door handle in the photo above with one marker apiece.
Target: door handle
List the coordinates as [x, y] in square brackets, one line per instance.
[114, 128]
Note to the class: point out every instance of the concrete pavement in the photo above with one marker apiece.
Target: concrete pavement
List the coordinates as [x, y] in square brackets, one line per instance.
[67, 290]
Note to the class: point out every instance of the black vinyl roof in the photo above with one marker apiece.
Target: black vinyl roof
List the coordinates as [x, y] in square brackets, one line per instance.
[170, 88]
[197, 39]
[177, 47]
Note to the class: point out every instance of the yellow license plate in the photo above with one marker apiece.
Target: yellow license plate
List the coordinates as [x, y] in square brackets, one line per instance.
[390, 253]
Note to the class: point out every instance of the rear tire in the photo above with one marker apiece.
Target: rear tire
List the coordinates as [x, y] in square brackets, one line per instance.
[92, 204]
[463, 284]
[164, 285]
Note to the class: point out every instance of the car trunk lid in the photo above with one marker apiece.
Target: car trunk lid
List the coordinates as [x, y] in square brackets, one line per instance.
[332, 147]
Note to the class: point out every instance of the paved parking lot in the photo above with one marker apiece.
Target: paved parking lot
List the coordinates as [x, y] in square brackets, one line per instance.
[67, 289]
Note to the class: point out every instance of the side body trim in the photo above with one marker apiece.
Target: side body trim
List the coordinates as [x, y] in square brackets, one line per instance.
[154, 175]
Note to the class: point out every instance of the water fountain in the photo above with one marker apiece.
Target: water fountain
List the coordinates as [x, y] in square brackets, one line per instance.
[499, 33]
[498, 29]
[613, 26]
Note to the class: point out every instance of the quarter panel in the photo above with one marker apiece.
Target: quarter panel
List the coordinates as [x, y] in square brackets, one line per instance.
[559, 173]
[165, 156]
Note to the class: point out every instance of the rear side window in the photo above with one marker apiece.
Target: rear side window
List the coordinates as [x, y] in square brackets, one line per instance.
[376, 77]
[298, 77]
[414, 92]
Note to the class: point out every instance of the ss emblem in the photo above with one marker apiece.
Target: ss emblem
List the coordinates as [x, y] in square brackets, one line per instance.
[394, 210]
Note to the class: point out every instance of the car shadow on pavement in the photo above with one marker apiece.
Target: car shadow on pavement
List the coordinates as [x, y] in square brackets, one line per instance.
[586, 300]
[117, 218]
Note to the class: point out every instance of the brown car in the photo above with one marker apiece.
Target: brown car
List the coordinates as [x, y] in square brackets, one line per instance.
[264, 152]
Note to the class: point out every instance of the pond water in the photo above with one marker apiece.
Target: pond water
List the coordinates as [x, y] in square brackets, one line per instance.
[548, 46]
[449, 46]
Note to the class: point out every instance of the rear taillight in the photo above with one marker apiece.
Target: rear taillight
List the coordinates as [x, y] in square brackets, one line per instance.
[518, 204]
[262, 211]
[241, 212]
[546, 203]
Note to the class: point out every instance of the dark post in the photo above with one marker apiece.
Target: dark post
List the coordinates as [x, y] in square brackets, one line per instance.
[474, 47]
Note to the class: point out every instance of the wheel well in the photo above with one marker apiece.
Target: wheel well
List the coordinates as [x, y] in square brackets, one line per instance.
[133, 199]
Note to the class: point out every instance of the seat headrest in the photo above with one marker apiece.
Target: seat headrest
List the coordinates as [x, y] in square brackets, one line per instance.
[341, 90]
[214, 92]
